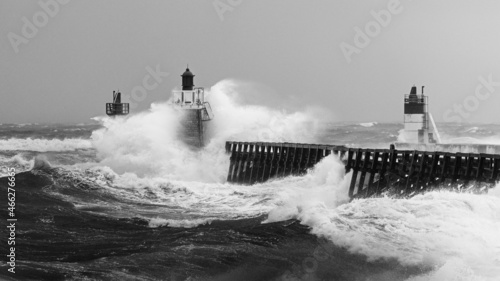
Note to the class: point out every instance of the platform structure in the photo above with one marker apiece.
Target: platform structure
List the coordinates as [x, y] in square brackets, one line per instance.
[420, 131]
[417, 118]
[190, 101]
[400, 173]
[117, 107]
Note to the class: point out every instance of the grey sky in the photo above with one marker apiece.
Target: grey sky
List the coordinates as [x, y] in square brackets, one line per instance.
[288, 50]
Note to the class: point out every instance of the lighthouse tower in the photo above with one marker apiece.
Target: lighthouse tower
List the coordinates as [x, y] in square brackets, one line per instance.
[116, 107]
[196, 111]
[416, 118]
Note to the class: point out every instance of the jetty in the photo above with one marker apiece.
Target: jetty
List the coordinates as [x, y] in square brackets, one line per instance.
[420, 164]
[401, 173]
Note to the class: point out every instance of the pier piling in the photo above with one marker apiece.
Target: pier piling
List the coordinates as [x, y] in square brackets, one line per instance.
[374, 171]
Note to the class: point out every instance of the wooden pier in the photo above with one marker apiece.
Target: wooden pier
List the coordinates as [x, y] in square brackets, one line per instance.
[375, 172]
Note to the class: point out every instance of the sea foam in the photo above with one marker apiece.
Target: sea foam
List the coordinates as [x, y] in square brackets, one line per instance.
[147, 144]
[44, 145]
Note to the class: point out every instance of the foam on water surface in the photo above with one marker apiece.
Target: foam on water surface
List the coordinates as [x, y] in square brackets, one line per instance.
[142, 170]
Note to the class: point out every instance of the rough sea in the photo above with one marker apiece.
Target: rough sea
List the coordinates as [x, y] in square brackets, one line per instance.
[124, 199]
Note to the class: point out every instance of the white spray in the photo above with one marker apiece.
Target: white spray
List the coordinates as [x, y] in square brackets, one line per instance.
[147, 144]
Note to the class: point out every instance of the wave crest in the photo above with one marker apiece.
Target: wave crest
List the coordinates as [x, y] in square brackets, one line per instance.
[44, 145]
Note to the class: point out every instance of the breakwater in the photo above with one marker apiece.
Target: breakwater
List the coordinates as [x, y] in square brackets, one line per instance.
[374, 171]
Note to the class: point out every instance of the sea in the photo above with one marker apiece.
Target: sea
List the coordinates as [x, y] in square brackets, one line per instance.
[125, 199]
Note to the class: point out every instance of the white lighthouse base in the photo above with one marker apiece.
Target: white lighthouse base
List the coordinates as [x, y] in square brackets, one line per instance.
[192, 130]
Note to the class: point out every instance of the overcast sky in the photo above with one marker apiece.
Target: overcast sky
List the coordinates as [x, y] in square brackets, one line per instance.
[297, 52]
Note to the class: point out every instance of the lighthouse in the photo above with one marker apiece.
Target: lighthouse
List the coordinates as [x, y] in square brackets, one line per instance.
[117, 107]
[190, 101]
[417, 118]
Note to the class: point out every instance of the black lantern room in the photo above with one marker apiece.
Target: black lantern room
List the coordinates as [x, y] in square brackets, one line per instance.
[187, 80]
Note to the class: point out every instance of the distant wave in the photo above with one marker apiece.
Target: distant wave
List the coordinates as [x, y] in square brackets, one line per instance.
[44, 145]
[187, 223]
[472, 130]
[368, 124]
[492, 140]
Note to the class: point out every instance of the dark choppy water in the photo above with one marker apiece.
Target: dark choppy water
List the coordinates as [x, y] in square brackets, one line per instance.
[125, 200]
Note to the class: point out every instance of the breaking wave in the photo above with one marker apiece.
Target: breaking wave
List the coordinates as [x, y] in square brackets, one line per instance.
[18, 162]
[44, 145]
[147, 144]
[454, 233]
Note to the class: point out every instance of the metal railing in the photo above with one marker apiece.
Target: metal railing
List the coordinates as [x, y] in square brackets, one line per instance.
[416, 99]
[117, 109]
[193, 99]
